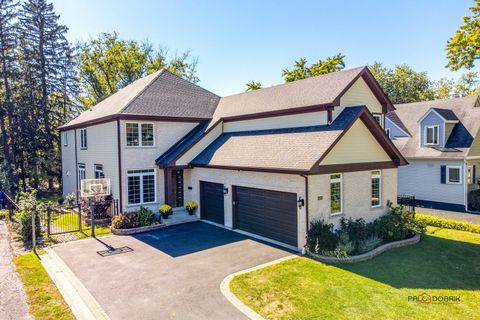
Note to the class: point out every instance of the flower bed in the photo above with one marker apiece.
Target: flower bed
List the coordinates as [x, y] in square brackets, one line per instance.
[138, 221]
[124, 232]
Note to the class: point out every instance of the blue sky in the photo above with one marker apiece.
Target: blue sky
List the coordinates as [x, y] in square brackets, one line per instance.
[240, 41]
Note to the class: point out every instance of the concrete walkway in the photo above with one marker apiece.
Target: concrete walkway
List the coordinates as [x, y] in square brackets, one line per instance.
[13, 302]
[459, 216]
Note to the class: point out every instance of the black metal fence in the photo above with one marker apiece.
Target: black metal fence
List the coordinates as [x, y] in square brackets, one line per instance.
[60, 220]
[407, 201]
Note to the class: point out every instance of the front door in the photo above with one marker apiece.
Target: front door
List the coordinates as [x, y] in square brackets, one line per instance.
[177, 188]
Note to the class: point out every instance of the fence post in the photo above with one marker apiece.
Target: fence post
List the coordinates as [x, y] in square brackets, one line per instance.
[80, 217]
[34, 236]
[413, 205]
[49, 215]
[92, 217]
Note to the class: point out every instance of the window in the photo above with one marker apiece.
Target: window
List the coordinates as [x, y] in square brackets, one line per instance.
[470, 175]
[454, 175]
[139, 135]
[81, 173]
[376, 188]
[336, 201]
[99, 171]
[65, 139]
[378, 118]
[141, 186]
[83, 138]
[387, 131]
[431, 135]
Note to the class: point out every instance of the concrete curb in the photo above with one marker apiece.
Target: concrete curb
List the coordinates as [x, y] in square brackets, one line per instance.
[79, 299]
[368, 255]
[225, 288]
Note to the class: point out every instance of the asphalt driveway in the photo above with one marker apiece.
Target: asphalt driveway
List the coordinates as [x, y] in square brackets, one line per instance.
[172, 273]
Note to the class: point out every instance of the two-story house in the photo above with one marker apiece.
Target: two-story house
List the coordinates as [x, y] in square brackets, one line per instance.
[265, 162]
[441, 141]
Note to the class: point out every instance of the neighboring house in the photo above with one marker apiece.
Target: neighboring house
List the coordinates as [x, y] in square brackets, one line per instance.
[441, 141]
[265, 162]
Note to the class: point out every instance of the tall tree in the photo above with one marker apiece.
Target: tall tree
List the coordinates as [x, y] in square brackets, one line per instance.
[467, 85]
[403, 84]
[464, 47]
[8, 43]
[253, 86]
[444, 88]
[300, 69]
[109, 63]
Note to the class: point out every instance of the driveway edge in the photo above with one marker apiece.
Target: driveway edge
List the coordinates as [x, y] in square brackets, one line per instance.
[78, 298]
[225, 288]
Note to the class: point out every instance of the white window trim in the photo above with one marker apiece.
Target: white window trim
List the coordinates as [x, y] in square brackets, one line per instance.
[65, 139]
[95, 170]
[140, 140]
[81, 167]
[379, 175]
[448, 174]
[82, 147]
[141, 186]
[426, 143]
[341, 193]
[375, 115]
[387, 131]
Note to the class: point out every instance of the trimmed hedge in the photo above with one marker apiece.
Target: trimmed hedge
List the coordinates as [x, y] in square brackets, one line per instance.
[447, 223]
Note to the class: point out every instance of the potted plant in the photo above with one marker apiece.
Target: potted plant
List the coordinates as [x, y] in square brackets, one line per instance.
[191, 207]
[165, 210]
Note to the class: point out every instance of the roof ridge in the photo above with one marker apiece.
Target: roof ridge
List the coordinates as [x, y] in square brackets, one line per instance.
[160, 72]
[190, 82]
[437, 100]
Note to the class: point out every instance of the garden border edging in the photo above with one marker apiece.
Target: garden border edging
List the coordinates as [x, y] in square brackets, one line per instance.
[126, 232]
[367, 255]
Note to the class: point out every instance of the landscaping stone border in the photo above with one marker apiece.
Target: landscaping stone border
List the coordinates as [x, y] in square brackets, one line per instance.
[126, 232]
[367, 255]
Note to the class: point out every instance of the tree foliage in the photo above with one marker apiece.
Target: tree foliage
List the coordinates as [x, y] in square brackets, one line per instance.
[464, 47]
[300, 69]
[253, 86]
[109, 63]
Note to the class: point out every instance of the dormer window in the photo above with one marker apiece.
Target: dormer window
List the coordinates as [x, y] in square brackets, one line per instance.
[431, 135]
[378, 118]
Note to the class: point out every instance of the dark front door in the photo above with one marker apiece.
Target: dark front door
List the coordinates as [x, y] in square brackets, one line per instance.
[177, 177]
[211, 202]
[268, 213]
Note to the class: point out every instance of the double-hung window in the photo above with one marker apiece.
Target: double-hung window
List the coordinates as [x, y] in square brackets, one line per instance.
[336, 197]
[83, 138]
[139, 134]
[141, 186]
[376, 188]
[431, 135]
[454, 175]
[99, 174]
[81, 173]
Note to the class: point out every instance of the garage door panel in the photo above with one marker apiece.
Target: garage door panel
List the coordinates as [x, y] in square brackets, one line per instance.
[269, 213]
[212, 202]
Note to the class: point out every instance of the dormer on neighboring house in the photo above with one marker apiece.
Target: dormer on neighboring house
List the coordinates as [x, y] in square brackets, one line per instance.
[436, 126]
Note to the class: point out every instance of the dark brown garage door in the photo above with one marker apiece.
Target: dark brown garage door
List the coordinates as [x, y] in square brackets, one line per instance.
[268, 213]
[211, 202]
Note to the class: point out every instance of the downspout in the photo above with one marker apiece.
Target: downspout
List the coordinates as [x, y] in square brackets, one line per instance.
[76, 164]
[119, 149]
[306, 202]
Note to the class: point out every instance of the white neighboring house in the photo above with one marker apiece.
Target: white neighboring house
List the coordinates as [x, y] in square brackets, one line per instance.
[441, 141]
[266, 162]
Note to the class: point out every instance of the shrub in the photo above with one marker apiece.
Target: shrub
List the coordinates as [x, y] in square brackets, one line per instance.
[397, 224]
[474, 199]
[356, 229]
[126, 221]
[344, 246]
[165, 210]
[369, 244]
[191, 206]
[118, 222]
[60, 201]
[320, 237]
[447, 223]
[145, 216]
[69, 200]
[3, 214]
[28, 205]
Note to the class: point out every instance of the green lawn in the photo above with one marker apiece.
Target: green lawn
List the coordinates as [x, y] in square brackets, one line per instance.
[44, 300]
[69, 221]
[445, 262]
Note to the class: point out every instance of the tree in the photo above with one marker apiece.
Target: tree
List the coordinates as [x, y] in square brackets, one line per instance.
[464, 47]
[253, 86]
[467, 85]
[444, 88]
[109, 63]
[403, 84]
[300, 69]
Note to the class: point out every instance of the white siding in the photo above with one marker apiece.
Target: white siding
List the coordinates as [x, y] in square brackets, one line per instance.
[166, 135]
[261, 180]
[102, 148]
[69, 175]
[422, 179]
[356, 195]
[290, 121]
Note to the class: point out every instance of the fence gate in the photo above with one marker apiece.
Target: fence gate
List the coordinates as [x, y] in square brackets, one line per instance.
[59, 221]
[407, 201]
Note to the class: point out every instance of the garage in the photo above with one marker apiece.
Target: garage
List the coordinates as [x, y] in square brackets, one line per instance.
[211, 202]
[268, 213]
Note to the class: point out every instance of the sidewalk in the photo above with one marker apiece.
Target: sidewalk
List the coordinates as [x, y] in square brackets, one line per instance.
[459, 216]
[13, 302]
